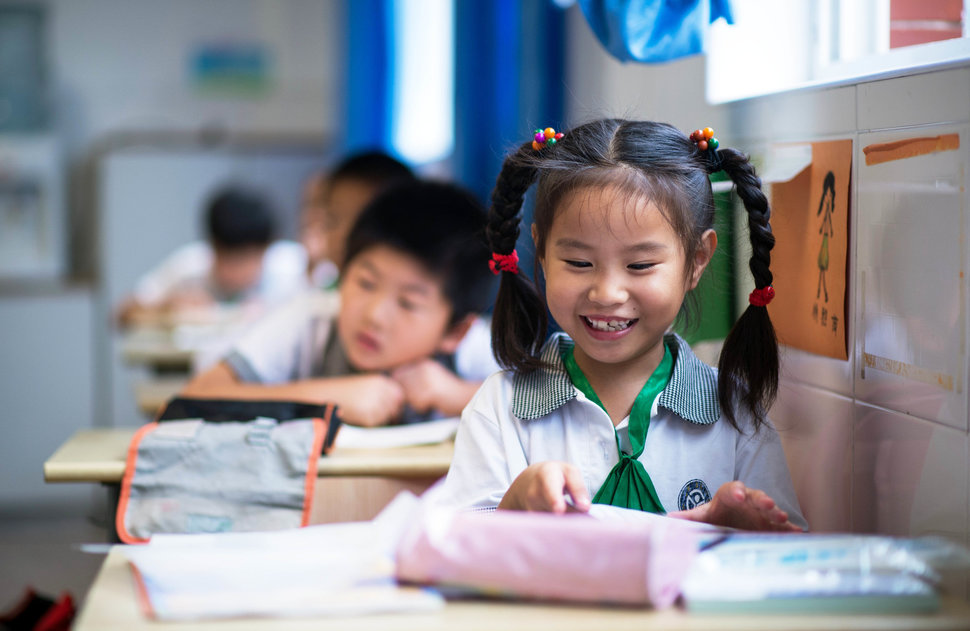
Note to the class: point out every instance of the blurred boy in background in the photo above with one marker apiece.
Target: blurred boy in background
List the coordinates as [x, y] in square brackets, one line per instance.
[415, 276]
[239, 264]
[333, 200]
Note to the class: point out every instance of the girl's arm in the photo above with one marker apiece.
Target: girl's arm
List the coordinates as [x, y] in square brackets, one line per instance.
[760, 463]
[488, 453]
[737, 506]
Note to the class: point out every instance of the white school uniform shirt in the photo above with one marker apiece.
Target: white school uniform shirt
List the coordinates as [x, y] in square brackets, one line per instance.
[284, 273]
[474, 359]
[518, 420]
[290, 342]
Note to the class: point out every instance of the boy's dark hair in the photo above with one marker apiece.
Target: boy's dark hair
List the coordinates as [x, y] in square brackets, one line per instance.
[443, 227]
[657, 161]
[237, 218]
[374, 168]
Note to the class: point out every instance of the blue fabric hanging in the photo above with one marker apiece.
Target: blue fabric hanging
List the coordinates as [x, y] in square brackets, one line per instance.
[653, 30]
[509, 68]
[368, 79]
[509, 80]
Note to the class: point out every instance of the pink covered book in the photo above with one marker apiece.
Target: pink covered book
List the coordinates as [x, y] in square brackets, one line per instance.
[573, 557]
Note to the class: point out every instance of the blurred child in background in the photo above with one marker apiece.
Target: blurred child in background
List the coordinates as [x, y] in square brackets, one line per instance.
[331, 203]
[333, 200]
[414, 278]
[238, 264]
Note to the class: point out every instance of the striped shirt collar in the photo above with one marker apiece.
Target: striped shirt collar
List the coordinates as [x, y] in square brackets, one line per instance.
[691, 393]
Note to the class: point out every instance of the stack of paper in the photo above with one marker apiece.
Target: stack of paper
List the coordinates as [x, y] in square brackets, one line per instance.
[331, 569]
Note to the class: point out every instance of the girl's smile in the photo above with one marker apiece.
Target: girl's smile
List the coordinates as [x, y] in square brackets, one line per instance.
[603, 327]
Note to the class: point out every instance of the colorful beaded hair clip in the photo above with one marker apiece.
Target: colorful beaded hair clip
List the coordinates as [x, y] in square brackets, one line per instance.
[547, 136]
[706, 142]
[704, 139]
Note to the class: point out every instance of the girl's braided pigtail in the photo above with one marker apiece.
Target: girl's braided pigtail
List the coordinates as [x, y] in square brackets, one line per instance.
[748, 366]
[519, 320]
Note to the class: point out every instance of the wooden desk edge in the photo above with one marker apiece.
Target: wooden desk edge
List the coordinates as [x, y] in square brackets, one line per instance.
[106, 472]
[108, 465]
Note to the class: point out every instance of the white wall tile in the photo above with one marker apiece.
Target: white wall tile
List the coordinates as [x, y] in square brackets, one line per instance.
[834, 375]
[910, 284]
[909, 476]
[932, 97]
[815, 427]
[46, 388]
[800, 115]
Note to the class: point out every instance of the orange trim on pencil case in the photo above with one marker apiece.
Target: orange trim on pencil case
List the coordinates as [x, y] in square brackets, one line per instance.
[125, 493]
[320, 427]
[910, 148]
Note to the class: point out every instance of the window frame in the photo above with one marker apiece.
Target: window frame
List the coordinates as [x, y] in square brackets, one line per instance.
[782, 46]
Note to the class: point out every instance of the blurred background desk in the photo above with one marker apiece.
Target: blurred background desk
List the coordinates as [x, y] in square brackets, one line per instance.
[162, 354]
[352, 484]
[111, 604]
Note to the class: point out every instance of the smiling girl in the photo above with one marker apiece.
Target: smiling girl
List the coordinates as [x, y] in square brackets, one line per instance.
[617, 409]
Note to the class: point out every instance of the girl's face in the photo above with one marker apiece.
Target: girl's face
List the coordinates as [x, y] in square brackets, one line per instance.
[616, 277]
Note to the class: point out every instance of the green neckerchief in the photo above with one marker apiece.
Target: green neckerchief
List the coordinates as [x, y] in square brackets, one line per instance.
[628, 485]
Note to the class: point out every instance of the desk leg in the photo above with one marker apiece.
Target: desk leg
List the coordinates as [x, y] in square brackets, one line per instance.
[113, 492]
[339, 499]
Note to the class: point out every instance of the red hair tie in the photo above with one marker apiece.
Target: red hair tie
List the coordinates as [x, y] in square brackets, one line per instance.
[761, 297]
[504, 262]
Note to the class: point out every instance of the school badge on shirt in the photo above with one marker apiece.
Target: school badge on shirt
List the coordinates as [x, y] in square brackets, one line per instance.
[693, 494]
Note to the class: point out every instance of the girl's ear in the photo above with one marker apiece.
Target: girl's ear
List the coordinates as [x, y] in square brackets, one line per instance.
[454, 335]
[535, 241]
[703, 255]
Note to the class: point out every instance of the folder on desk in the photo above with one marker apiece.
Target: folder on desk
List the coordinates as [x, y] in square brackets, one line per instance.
[223, 466]
[826, 573]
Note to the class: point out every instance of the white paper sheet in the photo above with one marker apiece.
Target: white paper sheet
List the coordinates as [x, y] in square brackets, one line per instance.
[330, 569]
[427, 433]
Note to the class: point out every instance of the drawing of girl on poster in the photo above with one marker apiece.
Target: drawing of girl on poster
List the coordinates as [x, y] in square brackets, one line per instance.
[826, 204]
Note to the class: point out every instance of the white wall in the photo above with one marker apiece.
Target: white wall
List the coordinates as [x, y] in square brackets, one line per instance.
[870, 450]
[122, 65]
[46, 386]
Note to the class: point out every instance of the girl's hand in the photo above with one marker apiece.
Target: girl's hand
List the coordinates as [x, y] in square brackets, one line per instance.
[736, 506]
[544, 486]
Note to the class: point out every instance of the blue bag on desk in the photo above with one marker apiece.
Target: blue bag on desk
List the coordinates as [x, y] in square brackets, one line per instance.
[211, 465]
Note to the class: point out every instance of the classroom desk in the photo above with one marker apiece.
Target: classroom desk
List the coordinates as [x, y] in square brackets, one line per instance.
[352, 484]
[111, 604]
[154, 393]
[155, 346]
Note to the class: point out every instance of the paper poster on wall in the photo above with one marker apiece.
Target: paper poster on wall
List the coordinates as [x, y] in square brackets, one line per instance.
[810, 221]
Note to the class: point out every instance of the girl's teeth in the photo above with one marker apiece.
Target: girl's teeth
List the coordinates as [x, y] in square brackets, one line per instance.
[609, 325]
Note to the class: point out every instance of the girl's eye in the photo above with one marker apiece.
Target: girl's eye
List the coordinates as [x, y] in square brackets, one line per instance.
[365, 283]
[639, 267]
[579, 263]
[408, 305]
